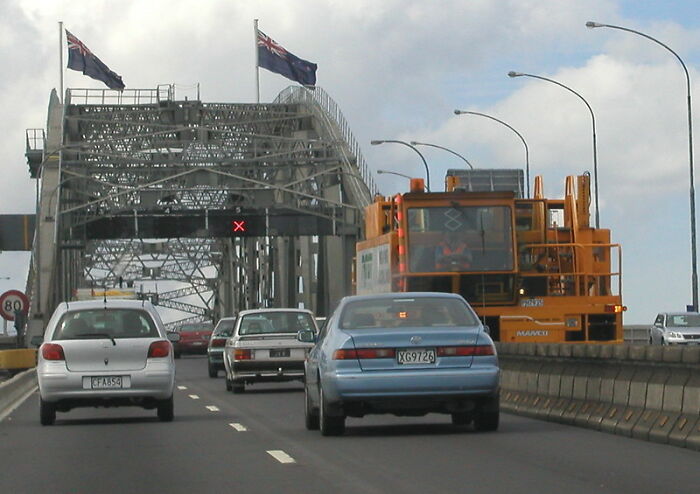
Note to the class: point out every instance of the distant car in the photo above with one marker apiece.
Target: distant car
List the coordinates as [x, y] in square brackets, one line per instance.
[676, 328]
[194, 338]
[217, 342]
[404, 354]
[264, 347]
[105, 353]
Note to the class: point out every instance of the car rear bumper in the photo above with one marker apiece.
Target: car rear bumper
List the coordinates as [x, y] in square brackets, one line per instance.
[189, 347]
[434, 384]
[56, 384]
[268, 371]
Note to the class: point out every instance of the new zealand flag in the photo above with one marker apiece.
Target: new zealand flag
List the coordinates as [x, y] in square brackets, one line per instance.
[274, 58]
[83, 60]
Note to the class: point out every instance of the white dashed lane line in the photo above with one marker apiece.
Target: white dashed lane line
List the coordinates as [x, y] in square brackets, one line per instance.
[182, 387]
[239, 427]
[281, 456]
[212, 408]
[194, 397]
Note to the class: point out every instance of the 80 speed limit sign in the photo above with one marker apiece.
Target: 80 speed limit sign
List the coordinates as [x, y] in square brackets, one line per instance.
[12, 301]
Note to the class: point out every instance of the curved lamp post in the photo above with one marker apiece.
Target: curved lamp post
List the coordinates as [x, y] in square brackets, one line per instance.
[389, 172]
[693, 240]
[425, 163]
[527, 150]
[595, 147]
[415, 143]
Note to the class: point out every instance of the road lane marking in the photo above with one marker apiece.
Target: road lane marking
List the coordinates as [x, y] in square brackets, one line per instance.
[212, 408]
[239, 427]
[182, 387]
[281, 456]
[194, 397]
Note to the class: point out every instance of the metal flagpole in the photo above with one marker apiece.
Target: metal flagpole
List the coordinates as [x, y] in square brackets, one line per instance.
[60, 60]
[257, 68]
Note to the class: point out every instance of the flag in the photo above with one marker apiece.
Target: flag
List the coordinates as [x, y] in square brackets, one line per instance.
[273, 57]
[80, 58]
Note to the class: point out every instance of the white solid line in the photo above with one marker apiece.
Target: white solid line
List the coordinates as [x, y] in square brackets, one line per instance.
[17, 403]
[281, 456]
[239, 427]
[194, 397]
[182, 387]
[212, 408]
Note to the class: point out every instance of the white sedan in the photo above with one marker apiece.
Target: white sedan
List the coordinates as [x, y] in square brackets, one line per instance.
[106, 353]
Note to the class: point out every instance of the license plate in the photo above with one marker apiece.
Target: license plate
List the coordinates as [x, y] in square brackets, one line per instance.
[107, 382]
[280, 352]
[417, 356]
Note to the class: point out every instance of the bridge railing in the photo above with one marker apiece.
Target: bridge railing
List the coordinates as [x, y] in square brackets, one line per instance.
[321, 99]
[164, 92]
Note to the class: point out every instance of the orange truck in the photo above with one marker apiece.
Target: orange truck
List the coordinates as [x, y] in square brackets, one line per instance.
[534, 269]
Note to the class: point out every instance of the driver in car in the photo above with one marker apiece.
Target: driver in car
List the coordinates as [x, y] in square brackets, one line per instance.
[452, 253]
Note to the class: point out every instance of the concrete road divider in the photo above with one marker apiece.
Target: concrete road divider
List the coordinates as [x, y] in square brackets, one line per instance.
[13, 390]
[647, 392]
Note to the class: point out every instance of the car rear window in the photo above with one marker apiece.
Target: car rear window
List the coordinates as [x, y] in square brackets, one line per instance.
[276, 322]
[106, 323]
[407, 312]
[225, 328]
[194, 327]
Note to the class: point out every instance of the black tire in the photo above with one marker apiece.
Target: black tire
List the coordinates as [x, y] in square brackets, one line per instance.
[330, 425]
[213, 371]
[47, 412]
[237, 387]
[461, 418]
[229, 387]
[166, 410]
[177, 354]
[311, 418]
[487, 418]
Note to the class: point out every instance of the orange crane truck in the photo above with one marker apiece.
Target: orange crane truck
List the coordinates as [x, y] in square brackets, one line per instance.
[534, 269]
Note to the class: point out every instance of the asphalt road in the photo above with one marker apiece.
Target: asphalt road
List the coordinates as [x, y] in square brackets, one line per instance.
[256, 442]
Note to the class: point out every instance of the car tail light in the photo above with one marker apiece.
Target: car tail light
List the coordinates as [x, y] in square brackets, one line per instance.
[614, 308]
[242, 354]
[52, 351]
[159, 349]
[218, 342]
[363, 353]
[465, 351]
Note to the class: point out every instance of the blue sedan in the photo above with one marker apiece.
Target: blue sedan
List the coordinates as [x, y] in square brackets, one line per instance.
[405, 354]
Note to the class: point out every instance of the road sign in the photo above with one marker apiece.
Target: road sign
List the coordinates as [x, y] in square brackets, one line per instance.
[11, 301]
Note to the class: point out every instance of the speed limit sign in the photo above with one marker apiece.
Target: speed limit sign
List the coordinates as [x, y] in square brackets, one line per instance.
[12, 301]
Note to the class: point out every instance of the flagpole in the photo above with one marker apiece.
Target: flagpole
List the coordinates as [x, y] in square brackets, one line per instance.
[60, 60]
[257, 68]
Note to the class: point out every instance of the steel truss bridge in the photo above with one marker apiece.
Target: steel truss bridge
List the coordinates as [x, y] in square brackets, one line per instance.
[204, 208]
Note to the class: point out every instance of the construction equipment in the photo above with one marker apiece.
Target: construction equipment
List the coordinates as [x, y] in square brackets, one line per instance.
[534, 269]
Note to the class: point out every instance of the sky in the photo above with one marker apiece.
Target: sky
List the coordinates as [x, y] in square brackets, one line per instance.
[398, 69]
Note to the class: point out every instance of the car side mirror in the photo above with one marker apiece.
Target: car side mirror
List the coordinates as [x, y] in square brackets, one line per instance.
[36, 341]
[173, 336]
[487, 330]
[306, 336]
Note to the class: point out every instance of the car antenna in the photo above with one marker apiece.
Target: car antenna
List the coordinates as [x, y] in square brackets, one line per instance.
[104, 295]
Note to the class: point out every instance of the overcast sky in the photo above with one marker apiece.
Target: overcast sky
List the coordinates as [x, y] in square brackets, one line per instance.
[398, 69]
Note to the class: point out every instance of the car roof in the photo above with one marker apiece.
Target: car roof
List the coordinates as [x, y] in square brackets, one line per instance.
[681, 313]
[276, 309]
[109, 304]
[389, 295]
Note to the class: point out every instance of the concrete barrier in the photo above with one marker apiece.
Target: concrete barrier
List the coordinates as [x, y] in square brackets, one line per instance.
[13, 390]
[646, 392]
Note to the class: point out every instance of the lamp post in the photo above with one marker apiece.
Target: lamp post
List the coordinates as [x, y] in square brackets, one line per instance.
[527, 150]
[595, 147]
[693, 240]
[389, 172]
[425, 163]
[415, 143]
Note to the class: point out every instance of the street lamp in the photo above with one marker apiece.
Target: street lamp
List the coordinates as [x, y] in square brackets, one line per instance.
[693, 240]
[380, 172]
[445, 149]
[527, 150]
[595, 147]
[425, 163]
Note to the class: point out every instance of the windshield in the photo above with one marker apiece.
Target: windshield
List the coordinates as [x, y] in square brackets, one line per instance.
[684, 320]
[276, 322]
[460, 238]
[106, 323]
[407, 312]
[225, 328]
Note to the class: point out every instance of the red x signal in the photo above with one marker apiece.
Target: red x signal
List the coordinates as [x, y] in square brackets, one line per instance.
[238, 226]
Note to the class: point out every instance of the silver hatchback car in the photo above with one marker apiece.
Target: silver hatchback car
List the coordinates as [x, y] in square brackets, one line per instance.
[106, 353]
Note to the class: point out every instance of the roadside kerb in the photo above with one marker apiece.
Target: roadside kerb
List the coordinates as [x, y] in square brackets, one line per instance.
[14, 389]
[646, 392]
